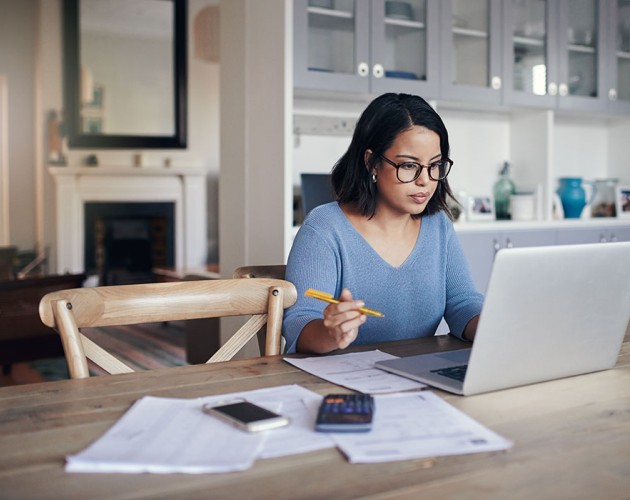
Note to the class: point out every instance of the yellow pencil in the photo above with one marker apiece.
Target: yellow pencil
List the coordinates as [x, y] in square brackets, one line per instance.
[326, 297]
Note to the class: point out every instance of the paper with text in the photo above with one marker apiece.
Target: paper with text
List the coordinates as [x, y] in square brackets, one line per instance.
[356, 371]
[417, 425]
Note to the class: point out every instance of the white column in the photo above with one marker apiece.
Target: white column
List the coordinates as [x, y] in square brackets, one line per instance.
[256, 108]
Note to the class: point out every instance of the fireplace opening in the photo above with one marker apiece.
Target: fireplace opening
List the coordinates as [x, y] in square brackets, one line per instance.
[125, 241]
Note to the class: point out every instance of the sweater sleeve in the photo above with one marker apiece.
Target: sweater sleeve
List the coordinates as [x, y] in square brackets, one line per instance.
[463, 301]
[312, 263]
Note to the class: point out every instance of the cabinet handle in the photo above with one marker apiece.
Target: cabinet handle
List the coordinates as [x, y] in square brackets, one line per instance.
[563, 89]
[496, 245]
[363, 69]
[495, 83]
[552, 88]
[378, 71]
[612, 95]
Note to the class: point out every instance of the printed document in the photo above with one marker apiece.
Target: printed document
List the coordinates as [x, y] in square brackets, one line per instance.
[166, 435]
[356, 371]
[417, 425]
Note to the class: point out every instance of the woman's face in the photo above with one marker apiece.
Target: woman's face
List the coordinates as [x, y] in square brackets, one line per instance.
[417, 144]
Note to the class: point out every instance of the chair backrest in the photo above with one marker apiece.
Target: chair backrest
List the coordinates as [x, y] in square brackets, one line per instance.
[70, 310]
[276, 272]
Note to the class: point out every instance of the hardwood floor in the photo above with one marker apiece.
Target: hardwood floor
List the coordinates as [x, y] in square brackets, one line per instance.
[142, 347]
[21, 373]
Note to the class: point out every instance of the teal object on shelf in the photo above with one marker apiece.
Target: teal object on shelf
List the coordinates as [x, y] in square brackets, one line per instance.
[503, 188]
[573, 196]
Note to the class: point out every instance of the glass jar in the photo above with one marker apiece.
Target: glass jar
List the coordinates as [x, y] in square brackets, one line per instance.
[604, 201]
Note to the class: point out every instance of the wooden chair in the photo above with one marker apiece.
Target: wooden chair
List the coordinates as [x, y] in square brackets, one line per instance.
[269, 271]
[276, 272]
[70, 310]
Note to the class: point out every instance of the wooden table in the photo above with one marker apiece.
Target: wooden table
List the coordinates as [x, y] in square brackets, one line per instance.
[571, 439]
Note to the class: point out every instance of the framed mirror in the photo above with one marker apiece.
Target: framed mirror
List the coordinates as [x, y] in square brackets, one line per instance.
[125, 73]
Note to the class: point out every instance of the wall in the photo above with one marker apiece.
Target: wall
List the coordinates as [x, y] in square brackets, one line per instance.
[31, 58]
[18, 31]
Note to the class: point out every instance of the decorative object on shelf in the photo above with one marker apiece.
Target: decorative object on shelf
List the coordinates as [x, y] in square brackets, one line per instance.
[623, 202]
[604, 200]
[406, 75]
[91, 161]
[522, 206]
[480, 208]
[56, 132]
[322, 4]
[573, 196]
[503, 188]
[398, 10]
[458, 206]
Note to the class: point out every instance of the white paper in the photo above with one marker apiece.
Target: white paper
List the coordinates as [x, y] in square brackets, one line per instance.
[356, 371]
[300, 405]
[163, 435]
[166, 435]
[417, 425]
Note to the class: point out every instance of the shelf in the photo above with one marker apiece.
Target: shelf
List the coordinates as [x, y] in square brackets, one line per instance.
[623, 55]
[582, 49]
[470, 33]
[404, 23]
[529, 42]
[340, 14]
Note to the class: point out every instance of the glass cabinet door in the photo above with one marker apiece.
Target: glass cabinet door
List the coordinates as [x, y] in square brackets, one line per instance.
[331, 44]
[530, 62]
[404, 44]
[582, 67]
[470, 37]
[619, 82]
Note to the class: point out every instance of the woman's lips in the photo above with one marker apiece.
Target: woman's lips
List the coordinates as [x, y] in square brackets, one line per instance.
[419, 197]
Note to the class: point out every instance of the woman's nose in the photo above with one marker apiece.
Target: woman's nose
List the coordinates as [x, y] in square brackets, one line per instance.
[423, 178]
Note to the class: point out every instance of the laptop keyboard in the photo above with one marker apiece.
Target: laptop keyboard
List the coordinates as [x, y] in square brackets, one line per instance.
[454, 372]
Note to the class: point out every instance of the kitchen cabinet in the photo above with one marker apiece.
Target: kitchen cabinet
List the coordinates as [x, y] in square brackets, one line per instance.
[366, 46]
[550, 54]
[470, 48]
[618, 62]
[481, 245]
[556, 54]
[480, 248]
[601, 234]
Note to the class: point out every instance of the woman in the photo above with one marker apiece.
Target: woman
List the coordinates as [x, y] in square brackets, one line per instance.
[388, 240]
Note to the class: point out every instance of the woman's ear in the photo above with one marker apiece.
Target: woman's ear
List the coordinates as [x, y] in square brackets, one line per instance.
[366, 159]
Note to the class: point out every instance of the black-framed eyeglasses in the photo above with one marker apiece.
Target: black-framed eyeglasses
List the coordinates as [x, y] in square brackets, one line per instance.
[409, 171]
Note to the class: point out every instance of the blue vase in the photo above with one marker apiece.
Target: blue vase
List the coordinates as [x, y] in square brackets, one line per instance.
[572, 196]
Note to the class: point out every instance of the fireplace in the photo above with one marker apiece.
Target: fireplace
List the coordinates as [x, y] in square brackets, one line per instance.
[125, 241]
[184, 223]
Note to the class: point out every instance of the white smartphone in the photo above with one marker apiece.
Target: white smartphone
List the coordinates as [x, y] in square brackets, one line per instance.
[246, 416]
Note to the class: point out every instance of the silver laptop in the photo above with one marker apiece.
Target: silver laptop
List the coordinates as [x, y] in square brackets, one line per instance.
[550, 312]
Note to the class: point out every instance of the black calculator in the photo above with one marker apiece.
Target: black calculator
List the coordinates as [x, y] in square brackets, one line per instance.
[345, 413]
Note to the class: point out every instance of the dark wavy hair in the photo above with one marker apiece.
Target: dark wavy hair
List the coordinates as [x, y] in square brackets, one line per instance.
[385, 117]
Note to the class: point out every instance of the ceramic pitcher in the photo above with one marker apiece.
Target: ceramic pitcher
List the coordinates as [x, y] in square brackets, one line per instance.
[573, 196]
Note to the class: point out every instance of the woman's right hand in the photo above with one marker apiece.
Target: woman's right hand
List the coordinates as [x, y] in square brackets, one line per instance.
[337, 330]
[343, 320]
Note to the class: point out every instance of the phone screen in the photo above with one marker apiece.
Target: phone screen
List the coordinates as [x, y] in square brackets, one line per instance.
[247, 416]
[246, 412]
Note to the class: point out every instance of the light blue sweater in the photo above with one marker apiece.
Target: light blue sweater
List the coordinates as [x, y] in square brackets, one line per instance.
[328, 254]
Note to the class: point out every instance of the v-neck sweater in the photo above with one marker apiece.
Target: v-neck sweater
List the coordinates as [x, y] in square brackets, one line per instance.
[329, 254]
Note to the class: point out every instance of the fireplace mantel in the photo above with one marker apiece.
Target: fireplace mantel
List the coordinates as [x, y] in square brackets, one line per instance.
[184, 186]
